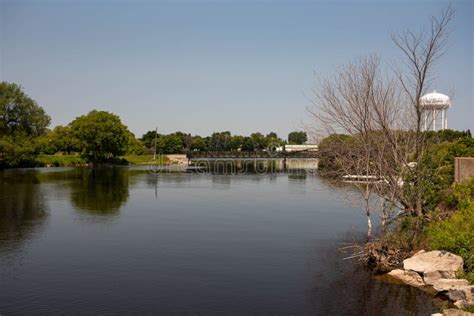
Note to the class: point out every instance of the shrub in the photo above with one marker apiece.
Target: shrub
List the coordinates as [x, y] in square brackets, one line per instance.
[456, 233]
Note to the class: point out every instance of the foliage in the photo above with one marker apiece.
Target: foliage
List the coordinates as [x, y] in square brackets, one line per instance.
[297, 138]
[64, 140]
[170, 144]
[101, 135]
[456, 233]
[220, 141]
[199, 143]
[60, 139]
[135, 146]
[22, 122]
[439, 165]
[180, 142]
[148, 139]
[17, 151]
[447, 135]
[330, 147]
[19, 114]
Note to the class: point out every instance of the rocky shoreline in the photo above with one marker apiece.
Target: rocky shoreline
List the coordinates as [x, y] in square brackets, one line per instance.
[435, 272]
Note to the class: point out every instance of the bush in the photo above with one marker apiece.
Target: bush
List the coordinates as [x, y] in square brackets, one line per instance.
[439, 164]
[17, 152]
[456, 233]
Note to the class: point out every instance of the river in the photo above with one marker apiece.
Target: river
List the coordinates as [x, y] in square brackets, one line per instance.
[124, 241]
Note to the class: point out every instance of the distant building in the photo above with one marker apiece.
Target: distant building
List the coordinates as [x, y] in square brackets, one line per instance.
[293, 148]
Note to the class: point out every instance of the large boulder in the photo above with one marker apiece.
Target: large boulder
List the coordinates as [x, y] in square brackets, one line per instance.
[408, 277]
[442, 261]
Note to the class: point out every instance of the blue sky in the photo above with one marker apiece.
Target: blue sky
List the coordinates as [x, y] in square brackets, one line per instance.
[204, 66]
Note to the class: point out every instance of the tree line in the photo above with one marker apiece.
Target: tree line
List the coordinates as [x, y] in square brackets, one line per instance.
[100, 136]
[180, 142]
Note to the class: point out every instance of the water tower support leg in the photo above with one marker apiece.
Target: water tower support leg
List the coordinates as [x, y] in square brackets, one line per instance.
[442, 120]
[446, 120]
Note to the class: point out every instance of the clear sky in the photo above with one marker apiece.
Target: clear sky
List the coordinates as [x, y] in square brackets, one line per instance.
[204, 66]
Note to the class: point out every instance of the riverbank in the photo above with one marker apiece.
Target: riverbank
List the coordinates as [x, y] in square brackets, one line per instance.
[449, 228]
[59, 160]
[436, 272]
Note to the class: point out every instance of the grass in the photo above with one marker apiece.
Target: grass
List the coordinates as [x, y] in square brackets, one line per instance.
[146, 159]
[59, 160]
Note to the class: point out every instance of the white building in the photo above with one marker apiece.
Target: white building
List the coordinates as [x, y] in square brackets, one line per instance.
[435, 111]
[292, 148]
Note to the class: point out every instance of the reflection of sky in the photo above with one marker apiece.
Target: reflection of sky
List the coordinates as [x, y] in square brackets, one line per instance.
[203, 66]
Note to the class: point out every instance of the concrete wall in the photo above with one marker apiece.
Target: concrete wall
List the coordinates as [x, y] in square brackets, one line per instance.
[463, 168]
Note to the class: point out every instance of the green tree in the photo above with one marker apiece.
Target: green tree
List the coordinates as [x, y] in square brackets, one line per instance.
[236, 142]
[273, 141]
[63, 140]
[272, 135]
[220, 141]
[19, 114]
[199, 143]
[248, 144]
[297, 138]
[148, 139]
[101, 135]
[170, 144]
[22, 121]
[259, 141]
[135, 146]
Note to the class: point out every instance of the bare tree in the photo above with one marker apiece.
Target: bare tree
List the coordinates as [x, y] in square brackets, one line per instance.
[422, 50]
[383, 116]
[344, 104]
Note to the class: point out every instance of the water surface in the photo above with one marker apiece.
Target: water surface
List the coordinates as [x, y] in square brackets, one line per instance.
[124, 241]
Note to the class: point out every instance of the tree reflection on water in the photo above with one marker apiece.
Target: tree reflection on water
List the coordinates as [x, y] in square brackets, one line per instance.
[23, 208]
[100, 191]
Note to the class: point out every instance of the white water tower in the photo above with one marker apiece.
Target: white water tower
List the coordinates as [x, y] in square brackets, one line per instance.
[435, 111]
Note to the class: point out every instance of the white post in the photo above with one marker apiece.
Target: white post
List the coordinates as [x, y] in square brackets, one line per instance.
[434, 120]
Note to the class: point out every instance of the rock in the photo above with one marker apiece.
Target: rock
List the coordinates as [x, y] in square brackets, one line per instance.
[463, 304]
[462, 293]
[456, 312]
[408, 277]
[430, 277]
[459, 304]
[436, 260]
[447, 284]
